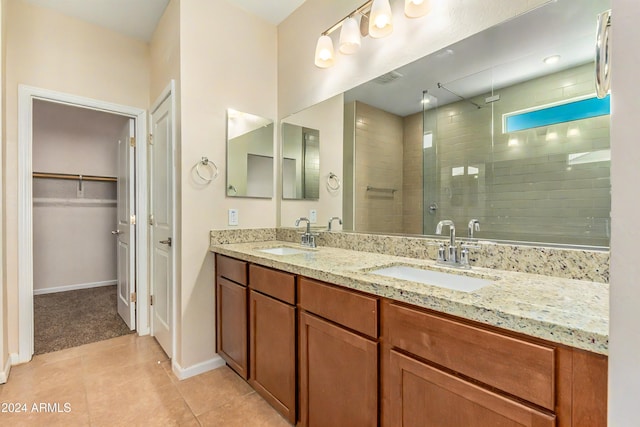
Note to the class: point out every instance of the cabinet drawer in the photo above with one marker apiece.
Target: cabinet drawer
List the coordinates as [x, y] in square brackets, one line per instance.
[350, 309]
[422, 395]
[521, 368]
[277, 284]
[232, 269]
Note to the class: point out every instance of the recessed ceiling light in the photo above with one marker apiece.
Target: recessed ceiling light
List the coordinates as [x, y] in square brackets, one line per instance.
[551, 59]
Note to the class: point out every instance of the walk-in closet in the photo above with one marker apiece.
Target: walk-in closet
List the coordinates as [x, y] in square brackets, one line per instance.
[75, 162]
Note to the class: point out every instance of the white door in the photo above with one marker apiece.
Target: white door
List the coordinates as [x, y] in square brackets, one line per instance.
[161, 223]
[125, 232]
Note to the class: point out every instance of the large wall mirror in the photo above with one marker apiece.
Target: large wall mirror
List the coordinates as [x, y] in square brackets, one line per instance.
[249, 155]
[300, 162]
[503, 127]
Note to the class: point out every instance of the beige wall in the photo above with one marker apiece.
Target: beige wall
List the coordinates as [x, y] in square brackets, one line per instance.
[624, 338]
[227, 62]
[164, 52]
[52, 51]
[326, 117]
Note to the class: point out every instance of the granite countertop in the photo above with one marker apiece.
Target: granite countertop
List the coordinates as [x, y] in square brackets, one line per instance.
[570, 312]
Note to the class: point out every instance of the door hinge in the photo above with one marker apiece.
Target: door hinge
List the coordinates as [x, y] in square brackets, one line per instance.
[151, 219]
[151, 299]
[133, 141]
[150, 139]
[133, 297]
[133, 220]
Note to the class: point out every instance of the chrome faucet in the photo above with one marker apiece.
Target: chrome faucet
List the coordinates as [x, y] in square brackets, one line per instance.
[307, 238]
[453, 250]
[474, 224]
[332, 219]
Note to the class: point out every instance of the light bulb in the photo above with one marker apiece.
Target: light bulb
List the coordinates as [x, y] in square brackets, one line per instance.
[380, 19]
[324, 52]
[416, 8]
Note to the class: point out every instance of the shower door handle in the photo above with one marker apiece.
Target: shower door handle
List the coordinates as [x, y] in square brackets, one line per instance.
[166, 242]
[116, 232]
[603, 63]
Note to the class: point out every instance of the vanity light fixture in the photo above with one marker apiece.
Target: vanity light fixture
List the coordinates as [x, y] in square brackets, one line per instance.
[416, 8]
[376, 20]
[324, 52]
[380, 19]
[349, 36]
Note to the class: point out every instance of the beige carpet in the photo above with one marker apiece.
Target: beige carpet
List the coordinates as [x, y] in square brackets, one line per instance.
[73, 318]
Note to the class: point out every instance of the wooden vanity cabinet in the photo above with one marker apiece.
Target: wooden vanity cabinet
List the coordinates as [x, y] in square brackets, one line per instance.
[422, 395]
[441, 371]
[338, 356]
[231, 313]
[272, 338]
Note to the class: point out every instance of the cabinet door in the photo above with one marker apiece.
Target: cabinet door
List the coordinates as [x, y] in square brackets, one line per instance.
[424, 396]
[338, 376]
[231, 311]
[272, 338]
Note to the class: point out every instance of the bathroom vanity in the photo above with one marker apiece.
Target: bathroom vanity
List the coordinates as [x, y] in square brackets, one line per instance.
[328, 341]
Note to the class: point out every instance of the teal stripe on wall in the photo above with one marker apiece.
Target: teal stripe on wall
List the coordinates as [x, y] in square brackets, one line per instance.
[577, 110]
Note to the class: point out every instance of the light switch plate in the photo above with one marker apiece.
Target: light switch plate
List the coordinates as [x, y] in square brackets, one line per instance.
[233, 216]
[313, 216]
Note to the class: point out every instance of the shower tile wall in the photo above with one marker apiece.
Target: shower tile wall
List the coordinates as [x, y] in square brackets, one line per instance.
[412, 175]
[379, 164]
[522, 186]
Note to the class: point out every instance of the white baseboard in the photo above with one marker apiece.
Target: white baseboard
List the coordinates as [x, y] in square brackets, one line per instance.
[4, 374]
[74, 287]
[200, 368]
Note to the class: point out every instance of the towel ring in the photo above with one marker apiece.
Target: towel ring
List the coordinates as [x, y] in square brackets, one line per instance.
[212, 167]
[333, 182]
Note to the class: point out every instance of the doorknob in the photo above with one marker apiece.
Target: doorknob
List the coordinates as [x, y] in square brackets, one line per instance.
[166, 242]
[116, 232]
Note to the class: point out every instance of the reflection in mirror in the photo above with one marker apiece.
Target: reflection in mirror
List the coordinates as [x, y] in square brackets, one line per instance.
[300, 162]
[487, 129]
[249, 155]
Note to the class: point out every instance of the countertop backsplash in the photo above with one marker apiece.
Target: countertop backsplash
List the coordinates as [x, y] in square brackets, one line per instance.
[578, 264]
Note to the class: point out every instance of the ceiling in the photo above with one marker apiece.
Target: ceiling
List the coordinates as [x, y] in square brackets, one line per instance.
[139, 18]
[274, 11]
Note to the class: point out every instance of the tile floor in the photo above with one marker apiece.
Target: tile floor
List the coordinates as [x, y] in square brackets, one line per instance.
[126, 381]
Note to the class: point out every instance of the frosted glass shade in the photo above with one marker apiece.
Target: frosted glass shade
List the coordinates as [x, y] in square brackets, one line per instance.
[380, 19]
[416, 8]
[349, 36]
[324, 52]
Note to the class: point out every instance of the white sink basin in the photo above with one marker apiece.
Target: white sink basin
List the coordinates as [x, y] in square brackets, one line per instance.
[435, 278]
[285, 250]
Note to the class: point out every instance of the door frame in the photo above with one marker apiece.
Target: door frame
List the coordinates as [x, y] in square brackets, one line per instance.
[26, 96]
[168, 92]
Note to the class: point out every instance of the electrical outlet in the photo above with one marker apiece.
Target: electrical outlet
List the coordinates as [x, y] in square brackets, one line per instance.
[313, 216]
[233, 216]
